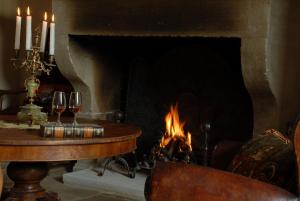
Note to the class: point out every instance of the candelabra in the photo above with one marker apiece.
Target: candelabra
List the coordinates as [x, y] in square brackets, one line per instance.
[34, 64]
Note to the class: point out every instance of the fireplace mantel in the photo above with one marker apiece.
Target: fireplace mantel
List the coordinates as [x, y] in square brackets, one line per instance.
[247, 19]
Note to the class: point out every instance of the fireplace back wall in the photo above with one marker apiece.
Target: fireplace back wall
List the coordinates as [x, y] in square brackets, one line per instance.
[202, 75]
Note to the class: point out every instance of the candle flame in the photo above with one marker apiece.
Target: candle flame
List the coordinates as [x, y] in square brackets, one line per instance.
[52, 17]
[28, 11]
[45, 16]
[18, 11]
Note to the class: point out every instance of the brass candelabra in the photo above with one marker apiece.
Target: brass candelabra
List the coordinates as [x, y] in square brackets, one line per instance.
[34, 64]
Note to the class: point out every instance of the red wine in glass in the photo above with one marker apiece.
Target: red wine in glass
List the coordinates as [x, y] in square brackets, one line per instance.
[75, 102]
[59, 109]
[74, 109]
[59, 104]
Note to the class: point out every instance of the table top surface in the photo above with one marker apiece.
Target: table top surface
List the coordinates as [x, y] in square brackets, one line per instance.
[27, 145]
[113, 132]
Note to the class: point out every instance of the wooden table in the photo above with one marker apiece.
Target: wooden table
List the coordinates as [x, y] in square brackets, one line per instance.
[29, 153]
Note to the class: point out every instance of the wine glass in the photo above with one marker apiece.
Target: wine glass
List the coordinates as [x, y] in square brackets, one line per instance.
[75, 102]
[59, 104]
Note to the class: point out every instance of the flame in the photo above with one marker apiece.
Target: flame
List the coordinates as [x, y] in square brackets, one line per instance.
[189, 140]
[174, 129]
[28, 11]
[45, 16]
[173, 125]
[18, 11]
[52, 17]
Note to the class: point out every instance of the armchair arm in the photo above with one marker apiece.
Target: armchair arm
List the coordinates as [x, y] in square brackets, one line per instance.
[1, 180]
[176, 181]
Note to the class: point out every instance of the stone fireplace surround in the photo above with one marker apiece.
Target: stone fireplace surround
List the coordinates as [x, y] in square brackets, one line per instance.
[247, 19]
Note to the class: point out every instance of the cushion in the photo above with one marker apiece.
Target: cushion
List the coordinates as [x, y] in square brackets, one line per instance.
[269, 158]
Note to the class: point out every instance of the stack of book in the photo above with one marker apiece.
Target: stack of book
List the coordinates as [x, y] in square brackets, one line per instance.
[72, 131]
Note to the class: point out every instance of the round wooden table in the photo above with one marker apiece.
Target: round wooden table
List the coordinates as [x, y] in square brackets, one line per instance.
[29, 153]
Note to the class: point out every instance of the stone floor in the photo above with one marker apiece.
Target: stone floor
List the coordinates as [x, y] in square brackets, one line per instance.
[85, 185]
[73, 193]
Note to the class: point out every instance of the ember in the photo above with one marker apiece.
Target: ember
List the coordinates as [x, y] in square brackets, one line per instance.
[175, 144]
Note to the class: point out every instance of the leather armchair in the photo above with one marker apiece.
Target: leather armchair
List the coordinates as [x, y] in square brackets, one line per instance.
[1, 181]
[181, 182]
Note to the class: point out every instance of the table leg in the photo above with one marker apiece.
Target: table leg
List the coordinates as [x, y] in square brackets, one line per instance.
[27, 177]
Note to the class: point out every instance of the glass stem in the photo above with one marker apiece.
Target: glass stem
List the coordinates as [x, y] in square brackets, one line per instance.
[75, 116]
[58, 118]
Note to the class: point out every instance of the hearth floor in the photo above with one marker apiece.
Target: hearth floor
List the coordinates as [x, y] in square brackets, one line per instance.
[85, 185]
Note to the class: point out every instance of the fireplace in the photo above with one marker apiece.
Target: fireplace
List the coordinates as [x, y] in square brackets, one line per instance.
[119, 55]
[143, 76]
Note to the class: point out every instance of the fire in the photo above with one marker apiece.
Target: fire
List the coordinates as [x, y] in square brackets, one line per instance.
[45, 16]
[28, 11]
[174, 129]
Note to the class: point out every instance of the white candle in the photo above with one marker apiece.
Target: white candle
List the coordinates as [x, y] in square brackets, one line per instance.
[18, 30]
[44, 33]
[28, 30]
[52, 36]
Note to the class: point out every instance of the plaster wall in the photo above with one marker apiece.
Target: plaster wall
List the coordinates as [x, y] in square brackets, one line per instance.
[9, 78]
[283, 59]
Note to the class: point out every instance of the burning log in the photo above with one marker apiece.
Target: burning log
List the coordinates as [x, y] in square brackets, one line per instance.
[176, 150]
[175, 145]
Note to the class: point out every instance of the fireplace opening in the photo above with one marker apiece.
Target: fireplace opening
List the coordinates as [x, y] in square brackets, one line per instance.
[143, 76]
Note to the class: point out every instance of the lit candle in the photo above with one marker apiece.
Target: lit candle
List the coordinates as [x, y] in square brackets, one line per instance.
[28, 30]
[52, 36]
[18, 30]
[44, 33]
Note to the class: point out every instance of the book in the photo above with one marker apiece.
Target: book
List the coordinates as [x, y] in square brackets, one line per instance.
[72, 131]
